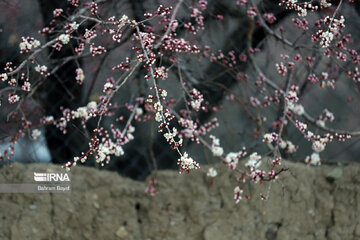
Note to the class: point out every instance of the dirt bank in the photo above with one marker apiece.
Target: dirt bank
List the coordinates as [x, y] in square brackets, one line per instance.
[104, 205]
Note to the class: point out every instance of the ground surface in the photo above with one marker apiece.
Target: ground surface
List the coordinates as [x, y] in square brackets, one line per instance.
[103, 205]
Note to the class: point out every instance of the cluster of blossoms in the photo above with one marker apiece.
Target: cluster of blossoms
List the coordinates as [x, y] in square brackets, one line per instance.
[298, 109]
[193, 130]
[325, 81]
[333, 31]
[26, 86]
[13, 98]
[123, 65]
[196, 99]
[10, 151]
[28, 43]
[301, 23]
[116, 32]
[318, 142]
[270, 18]
[301, 8]
[103, 147]
[169, 136]
[319, 146]
[238, 194]
[150, 189]
[326, 116]
[160, 72]
[301, 126]
[178, 45]
[292, 97]
[96, 50]
[187, 163]
[75, 3]
[89, 35]
[80, 77]
[287, 146]
[253, 164]
[215, 147]
[196, 14]
[106, 149]
[42, 69]
[254, 161]
[232, 158]
[12, 82]
[86, 112]
[270, 137]
[229, 59]
[329, 116]
[254, 101]
[57, 12]
[325, 3]
[64, 38]
[109, 87]
[94, 8]
[281, 68]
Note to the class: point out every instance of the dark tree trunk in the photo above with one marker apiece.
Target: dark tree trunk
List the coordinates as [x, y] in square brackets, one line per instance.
[61, 89]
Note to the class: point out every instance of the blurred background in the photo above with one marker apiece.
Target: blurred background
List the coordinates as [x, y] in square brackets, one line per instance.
[227, 91]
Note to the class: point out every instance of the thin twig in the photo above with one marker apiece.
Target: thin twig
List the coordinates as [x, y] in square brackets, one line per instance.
[176, 9]
[118, 86]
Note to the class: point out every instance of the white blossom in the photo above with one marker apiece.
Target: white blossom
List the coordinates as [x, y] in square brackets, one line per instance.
[163, 93]
[325, 4]
[211, 172]
[291, 148]
[282, 144]
[237, 194]
[158, 117]
[158, 107]
[92, 105]
[318, 146]
[314, 159]
[3, 77]
[80, 77]
[254, 161]
[64, 38]
[217, 151]
[35, 134]
[320, 123]
[139, 111]
[13, 98]
[303, 12]
[298, 109]
[231, 157]
[131, 129]
[41, 69]
[74, 25]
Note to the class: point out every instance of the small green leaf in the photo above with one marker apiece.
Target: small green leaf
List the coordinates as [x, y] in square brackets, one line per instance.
[336, 173]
